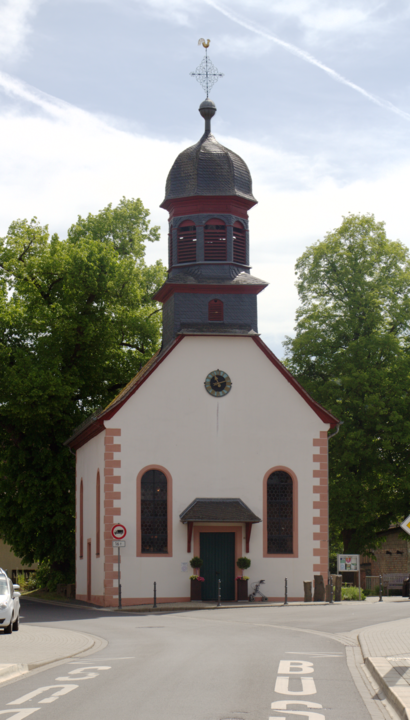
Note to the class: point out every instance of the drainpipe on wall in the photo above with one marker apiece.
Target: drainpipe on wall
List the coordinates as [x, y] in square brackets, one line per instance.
[328, 519]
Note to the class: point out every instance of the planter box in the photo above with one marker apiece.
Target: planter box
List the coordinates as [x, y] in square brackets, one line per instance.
[242, 588]
[196, 590]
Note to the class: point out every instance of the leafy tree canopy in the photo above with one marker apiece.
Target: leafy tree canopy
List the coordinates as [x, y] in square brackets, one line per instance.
[351, 352]
[77, 321]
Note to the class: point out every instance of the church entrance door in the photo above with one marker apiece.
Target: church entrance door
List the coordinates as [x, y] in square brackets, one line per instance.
[218, 553]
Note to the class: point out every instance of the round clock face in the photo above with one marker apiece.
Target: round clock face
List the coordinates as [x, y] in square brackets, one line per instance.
[218, 383]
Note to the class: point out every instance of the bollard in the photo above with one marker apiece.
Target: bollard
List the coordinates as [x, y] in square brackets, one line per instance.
[331, 590]
[286, 591]
[155, 594]
[380, 588]
[219, 593]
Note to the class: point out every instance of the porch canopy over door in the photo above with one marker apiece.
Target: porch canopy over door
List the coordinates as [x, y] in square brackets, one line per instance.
[225, 510]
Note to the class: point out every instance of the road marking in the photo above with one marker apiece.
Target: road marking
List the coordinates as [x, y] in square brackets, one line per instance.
[89, 676]
[283, 704]
[282, 686]
[295, 667]
[29, 696]
[90, 662]
[317, 655]
[19, 714]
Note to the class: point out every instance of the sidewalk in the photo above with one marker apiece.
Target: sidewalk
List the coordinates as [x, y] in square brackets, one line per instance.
[386, 653]
[31, 647]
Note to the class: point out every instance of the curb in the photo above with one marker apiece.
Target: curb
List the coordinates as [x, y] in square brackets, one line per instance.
[8, 672]
[393, 684]
[165, 607]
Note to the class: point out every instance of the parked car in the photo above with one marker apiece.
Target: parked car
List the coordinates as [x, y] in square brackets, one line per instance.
[9, 604]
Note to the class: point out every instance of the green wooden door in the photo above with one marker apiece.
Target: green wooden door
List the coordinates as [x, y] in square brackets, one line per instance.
[218, 554]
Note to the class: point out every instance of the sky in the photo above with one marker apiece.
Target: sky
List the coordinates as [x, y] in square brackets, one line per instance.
[96, 101]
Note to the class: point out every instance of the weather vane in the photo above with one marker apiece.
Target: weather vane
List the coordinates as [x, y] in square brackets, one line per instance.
[206, 73]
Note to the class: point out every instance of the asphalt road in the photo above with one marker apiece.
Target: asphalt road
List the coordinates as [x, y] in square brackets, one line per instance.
[205, 665]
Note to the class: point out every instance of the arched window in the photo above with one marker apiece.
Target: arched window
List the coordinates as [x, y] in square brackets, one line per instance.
[215, 310]
[215, 244]
[154, 513]
[279, 513]
[186, 242]
[239, 243]
[81, 519]
[97, 515]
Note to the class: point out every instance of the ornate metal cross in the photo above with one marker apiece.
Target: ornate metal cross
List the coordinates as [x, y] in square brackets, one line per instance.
[206, 73]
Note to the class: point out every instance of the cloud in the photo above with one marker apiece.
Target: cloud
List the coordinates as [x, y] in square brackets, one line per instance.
[306, 57]
[14, 26]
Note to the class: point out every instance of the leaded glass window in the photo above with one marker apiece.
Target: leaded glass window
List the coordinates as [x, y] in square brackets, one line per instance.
[280, 513]
[154, 512]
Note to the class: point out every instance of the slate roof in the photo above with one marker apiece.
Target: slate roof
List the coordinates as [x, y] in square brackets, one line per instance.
[218, 510]
[213, 329]
[241, 279]
[208, 168]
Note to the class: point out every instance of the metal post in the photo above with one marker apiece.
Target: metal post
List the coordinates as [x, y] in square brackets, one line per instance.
[380, 588]
[219, 593]
[119, 577]
[286, 591]
[155, 594]
[331, 589]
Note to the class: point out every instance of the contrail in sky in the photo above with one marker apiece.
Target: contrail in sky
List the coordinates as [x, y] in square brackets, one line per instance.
[307, 57]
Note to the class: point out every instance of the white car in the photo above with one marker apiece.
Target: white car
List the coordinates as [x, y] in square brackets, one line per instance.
[9, 604]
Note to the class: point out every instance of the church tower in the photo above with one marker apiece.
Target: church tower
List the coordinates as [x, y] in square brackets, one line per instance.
[209, 289]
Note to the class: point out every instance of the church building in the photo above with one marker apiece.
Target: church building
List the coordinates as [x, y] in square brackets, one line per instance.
[213, 450]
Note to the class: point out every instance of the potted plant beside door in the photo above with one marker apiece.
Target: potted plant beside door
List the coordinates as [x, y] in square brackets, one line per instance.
[243, 563]
[196, 580]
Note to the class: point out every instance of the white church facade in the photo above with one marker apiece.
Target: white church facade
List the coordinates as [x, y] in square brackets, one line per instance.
[213, 450]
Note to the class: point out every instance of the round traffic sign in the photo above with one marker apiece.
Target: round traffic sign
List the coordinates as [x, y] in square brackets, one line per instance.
[118, 532]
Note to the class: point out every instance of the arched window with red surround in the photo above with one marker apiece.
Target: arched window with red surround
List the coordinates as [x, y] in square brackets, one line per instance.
[280, 513]
[186, 242]
[97, 515]
[215, 241]
[81, 519]
[239, 243]
[170, 260]
[215, 310]
[154, 512]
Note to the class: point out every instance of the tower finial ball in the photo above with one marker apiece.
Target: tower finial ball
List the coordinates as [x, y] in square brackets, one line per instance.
[207, 109]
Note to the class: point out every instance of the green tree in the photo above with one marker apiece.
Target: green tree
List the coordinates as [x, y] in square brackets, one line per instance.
[351, 352]
[77, 321]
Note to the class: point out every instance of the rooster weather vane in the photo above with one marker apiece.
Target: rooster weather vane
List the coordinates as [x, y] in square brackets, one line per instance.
[206, 73]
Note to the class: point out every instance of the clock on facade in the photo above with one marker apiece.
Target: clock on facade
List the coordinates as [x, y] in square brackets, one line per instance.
[218, 383]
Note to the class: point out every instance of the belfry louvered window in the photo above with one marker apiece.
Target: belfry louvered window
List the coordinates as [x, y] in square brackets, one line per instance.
[154, 512]
[215, 240]
[280, 513]
[239, 243]
[215, 310]
[186, 242]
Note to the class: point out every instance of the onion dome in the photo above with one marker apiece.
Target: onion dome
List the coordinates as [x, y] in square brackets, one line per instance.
[208, 168]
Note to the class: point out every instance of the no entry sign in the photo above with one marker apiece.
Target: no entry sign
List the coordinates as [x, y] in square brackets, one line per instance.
[118, 532]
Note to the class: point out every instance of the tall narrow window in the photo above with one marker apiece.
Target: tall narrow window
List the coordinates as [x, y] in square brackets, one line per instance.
[170, 248]
[239, 243]
[215, 310]
[215, 241]
[186, 242]
[279, 501]
[97, 515]
[81, 519]
[154, 513]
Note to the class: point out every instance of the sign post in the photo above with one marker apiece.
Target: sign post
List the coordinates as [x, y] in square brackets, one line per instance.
[119, 532]
[349, 563]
